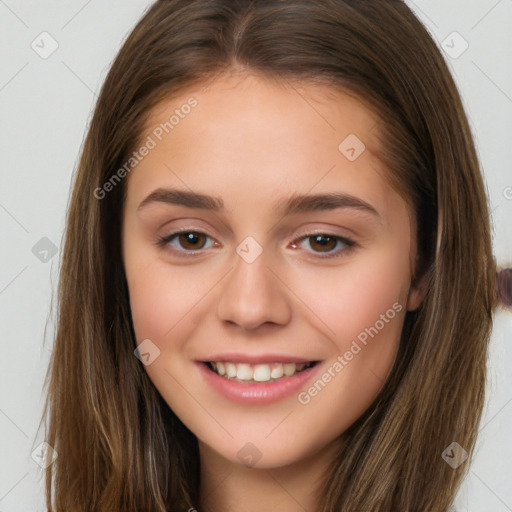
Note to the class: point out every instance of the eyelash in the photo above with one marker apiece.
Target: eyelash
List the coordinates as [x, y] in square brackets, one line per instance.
[349, 244]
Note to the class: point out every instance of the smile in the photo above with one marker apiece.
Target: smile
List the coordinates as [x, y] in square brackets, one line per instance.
[260, 383]
[247, 373]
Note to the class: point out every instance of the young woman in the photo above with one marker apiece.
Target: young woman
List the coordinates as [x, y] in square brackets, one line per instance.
[277, 284]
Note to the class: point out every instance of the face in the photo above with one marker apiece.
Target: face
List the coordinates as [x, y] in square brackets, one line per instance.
[262, 241]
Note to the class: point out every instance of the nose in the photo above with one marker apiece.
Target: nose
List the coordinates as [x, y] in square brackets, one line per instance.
[253, 295]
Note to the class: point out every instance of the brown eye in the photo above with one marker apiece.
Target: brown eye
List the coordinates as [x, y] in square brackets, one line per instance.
[322, 243]
[186, 243]
[325, 245]
[192, 240]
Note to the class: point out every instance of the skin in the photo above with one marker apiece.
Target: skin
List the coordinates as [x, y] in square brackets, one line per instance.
[253, 143]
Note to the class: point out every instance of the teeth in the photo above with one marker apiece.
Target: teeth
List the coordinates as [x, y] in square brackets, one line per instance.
[244, 372]
[289, 369]
[277, 372]
[258, 372]
[230, 370]
[261, 372]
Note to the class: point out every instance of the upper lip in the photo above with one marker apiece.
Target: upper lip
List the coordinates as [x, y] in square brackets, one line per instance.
[257, 359]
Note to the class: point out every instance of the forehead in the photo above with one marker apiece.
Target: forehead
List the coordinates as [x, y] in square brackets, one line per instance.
[263, 109]
[250, 138]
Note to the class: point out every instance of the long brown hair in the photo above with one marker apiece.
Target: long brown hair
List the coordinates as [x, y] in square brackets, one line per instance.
[120, 446]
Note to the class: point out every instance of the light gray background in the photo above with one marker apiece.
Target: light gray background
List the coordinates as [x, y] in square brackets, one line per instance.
[45, 105]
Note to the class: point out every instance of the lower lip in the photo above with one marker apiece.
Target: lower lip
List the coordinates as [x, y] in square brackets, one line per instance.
[259, 393]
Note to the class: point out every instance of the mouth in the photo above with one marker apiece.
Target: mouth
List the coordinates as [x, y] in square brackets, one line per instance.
[257, 373]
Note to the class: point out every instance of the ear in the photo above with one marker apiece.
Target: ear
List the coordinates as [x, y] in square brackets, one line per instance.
[417, 293]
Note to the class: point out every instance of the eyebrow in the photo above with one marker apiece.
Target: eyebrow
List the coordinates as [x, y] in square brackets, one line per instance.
[294, 204]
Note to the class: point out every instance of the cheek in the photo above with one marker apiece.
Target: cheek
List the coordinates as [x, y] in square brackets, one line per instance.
[361, 309]
[351, 297]
[161, 297]
[365, 311]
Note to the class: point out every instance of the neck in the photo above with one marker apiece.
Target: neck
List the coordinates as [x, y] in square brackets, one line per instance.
[230, 487]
